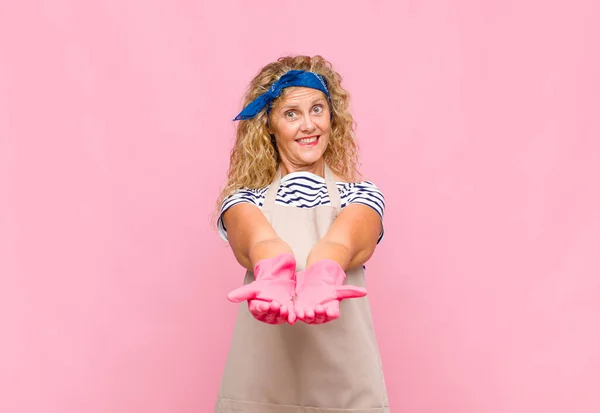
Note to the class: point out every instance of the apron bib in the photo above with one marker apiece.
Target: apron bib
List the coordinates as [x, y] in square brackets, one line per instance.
[324, 368]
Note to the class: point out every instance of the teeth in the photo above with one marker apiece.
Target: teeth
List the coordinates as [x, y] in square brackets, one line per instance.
[308, 140]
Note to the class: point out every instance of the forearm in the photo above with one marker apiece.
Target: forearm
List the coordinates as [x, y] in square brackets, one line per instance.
[251, 236]
[351, 240]
[334, 251]
[267, 248]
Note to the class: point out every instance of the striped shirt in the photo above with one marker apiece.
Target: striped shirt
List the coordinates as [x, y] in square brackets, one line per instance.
[307, 190]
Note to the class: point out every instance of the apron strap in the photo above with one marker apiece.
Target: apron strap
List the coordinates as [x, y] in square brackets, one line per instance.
[272, 191]
[334, 194]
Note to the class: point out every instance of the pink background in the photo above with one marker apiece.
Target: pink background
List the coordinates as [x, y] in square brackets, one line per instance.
[478, 119]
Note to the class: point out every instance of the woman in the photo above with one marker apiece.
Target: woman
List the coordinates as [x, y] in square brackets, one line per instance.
[302, 225]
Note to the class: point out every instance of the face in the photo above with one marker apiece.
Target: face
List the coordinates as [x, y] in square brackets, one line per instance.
[301, 125]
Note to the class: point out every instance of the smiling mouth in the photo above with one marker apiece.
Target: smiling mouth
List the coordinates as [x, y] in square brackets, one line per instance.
[312, 140]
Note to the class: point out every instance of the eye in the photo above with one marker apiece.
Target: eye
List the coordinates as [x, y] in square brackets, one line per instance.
[290, 114]
[318, 108]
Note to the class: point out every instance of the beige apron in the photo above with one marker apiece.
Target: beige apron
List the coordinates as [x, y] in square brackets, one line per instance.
[325, 368]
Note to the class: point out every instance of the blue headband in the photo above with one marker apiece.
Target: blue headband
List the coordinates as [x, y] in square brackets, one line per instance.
[291, 78]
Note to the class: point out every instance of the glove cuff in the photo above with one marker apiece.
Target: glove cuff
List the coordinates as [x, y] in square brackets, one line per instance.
[324, 272]
[281, 266]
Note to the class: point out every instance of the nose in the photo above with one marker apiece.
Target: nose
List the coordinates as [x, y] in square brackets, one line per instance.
[307, 123]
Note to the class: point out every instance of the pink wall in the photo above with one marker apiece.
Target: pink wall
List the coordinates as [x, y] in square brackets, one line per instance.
[479, 120]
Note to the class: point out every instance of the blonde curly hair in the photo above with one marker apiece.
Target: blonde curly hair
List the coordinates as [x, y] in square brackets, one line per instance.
[254, 158]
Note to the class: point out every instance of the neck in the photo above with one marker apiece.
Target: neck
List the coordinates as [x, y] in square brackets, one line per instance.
[317, 168]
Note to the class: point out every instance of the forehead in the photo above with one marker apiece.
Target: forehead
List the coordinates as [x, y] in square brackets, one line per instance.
[297, 95]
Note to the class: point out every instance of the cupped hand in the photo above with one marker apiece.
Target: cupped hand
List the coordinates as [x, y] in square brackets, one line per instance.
[319, 290]
[269, 301]
[270, 296]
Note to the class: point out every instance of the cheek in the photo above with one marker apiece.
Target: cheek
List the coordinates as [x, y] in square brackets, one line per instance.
[325, 125]
[288, 132]
[285, 134]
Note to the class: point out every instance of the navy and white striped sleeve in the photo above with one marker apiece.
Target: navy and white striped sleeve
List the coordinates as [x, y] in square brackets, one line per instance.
[366, 193]
[252, 196]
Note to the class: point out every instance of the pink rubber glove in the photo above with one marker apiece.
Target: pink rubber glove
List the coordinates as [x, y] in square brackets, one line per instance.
[270, 295]
[319, 290]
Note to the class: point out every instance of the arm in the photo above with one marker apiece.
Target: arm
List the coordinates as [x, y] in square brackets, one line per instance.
[350, 242]
[352, 238]
[251, 236]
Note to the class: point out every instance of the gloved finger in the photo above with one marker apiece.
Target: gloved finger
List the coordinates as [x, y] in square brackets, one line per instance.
[263, 306]
[320, 314]
[319, 310]
[243, 293]
[271, 318]
[283, 311]
[333, 311]
[292, 316]
[287, 314]
[349, 291]
[320, 319]
[291, 312]
[274, 313]
[255, 307]
[299, 311]
[257, 315]
[282, 317]
[274, 307]
[252, 306]
[309, 315]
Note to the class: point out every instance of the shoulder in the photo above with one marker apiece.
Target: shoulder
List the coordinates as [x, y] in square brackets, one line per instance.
[254, 196]
[251, 195]
[364, 185]
[362, 192]
[365, 193]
